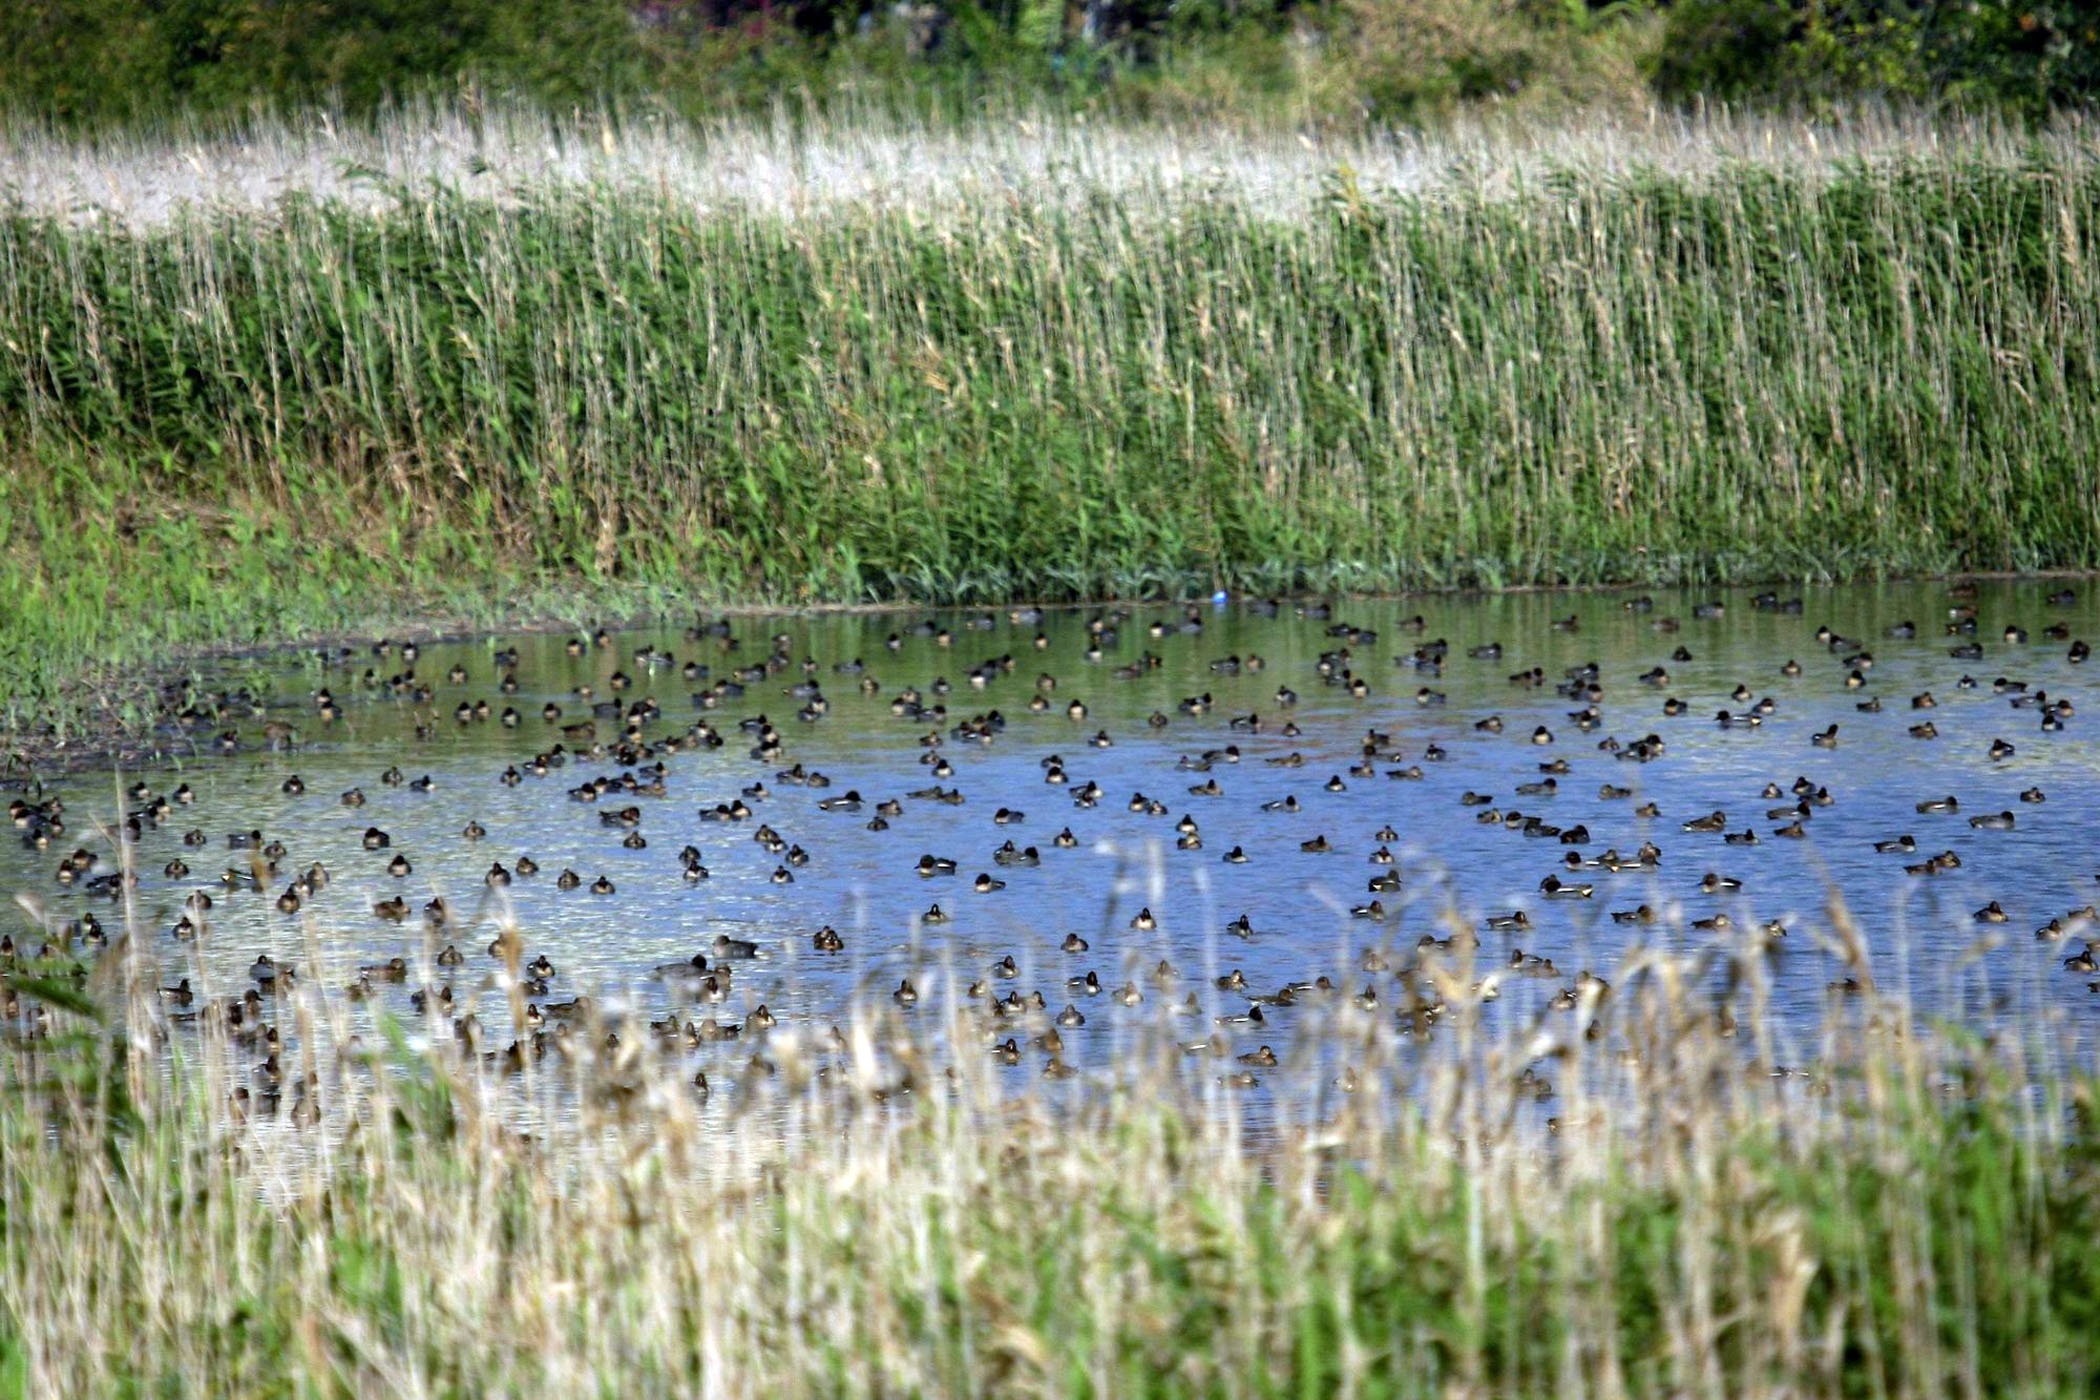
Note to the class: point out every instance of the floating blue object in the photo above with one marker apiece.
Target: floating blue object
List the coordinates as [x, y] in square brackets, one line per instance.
[1218, 597]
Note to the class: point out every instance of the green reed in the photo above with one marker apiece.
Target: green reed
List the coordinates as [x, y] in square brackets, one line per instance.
[1626, 1198]
[1760, 372]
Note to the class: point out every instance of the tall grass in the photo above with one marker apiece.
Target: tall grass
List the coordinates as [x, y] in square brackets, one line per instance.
[1629, 1197]
[1798, 368]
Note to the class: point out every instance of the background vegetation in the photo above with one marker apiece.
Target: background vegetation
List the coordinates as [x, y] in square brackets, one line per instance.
[1298, 60]
[224, 425]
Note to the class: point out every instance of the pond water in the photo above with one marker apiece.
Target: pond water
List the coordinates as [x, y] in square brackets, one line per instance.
[1417, 798]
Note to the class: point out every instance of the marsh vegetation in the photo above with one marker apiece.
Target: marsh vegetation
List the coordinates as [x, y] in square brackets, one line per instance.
[1386, 366]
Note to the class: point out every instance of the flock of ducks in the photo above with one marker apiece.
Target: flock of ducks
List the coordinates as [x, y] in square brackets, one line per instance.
[620, 754]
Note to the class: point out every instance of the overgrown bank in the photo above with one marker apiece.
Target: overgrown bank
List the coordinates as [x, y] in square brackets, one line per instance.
[225, 428]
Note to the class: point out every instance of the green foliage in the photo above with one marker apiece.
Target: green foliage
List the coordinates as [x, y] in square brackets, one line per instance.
[105, 59]
[2024, 57]
[115, 61]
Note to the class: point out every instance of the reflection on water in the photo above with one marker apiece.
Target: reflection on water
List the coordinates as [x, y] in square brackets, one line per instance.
[1254, 868]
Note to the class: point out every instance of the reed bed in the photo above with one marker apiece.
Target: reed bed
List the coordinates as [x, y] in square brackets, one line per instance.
[1643, 1193]
[879, 370]
[803, 164]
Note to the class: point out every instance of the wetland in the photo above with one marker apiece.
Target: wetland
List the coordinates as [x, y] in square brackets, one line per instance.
[553, 856]
[1216, 808]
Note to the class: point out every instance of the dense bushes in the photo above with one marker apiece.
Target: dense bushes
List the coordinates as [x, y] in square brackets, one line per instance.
[98, 60]
[93, 58]
[1996, 53]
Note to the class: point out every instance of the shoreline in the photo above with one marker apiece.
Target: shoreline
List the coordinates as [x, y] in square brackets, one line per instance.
[111, 747]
